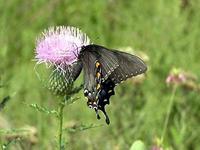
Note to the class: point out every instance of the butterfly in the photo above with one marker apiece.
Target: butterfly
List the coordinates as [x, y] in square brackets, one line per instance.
[103, 69]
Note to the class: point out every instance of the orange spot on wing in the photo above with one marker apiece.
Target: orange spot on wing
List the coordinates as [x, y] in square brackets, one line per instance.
[98, 75]
[98, 86]
[97, 64]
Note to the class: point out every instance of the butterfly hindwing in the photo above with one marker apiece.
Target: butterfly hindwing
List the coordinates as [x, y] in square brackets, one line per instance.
[107, 90]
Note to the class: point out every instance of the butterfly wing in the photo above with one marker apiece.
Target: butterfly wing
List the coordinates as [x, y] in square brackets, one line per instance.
[99, 82]
[107, 90]
[118, 65]
[88, 60]
[89, 57]
[129, 66]
[107, 58]
[76, 70]
[98, 63]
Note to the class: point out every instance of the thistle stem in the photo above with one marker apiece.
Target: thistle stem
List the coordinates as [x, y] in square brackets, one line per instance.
[61, 108]
[168, 112]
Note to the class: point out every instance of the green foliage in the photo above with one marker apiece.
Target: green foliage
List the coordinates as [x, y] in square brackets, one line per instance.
[167, 31]
[80, 127]
[43, 109]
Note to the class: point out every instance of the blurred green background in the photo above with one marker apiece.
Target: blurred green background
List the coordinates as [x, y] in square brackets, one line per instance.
[167, 31]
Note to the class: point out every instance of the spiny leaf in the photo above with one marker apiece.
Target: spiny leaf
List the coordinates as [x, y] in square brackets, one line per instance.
[12, 131]
[43, 109]
[71, 100]
[81, 127]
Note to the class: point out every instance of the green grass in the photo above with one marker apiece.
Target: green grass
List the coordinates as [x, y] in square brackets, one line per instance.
[167, 32]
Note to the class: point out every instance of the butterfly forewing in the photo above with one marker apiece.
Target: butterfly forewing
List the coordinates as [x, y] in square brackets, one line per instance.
[76, 70]
[129, 65]
[109, 62]
[88, 60]
[115, 65]
[106, 58]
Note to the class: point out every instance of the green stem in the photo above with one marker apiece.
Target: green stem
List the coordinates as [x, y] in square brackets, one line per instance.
[168, 113]
[61, 107]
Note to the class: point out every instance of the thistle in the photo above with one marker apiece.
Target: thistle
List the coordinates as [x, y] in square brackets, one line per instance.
[176, 77]
[58, 48]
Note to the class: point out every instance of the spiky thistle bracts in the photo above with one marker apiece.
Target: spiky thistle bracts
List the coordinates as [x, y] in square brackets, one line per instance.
[60, 46]
[60, 83]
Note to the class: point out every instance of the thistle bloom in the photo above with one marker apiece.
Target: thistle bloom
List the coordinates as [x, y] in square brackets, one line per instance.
[187, 80]
[60, 46]
[175, 79]
[176, 76]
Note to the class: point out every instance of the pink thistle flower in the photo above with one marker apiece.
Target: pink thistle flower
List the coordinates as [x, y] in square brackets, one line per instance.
[176, 76]
[186, 79]
[60, 46]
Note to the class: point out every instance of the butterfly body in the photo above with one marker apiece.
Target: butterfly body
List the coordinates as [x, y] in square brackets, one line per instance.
[103, 70]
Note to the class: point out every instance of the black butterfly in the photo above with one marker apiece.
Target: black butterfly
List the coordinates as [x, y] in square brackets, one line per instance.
[103, 70]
